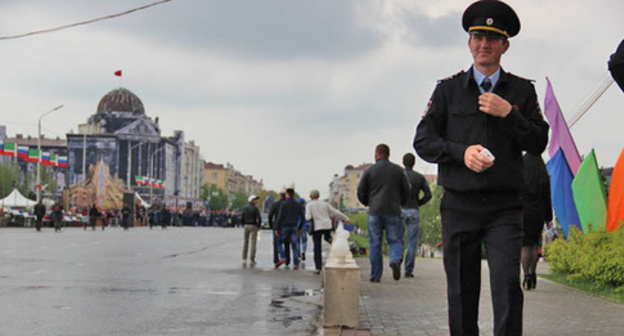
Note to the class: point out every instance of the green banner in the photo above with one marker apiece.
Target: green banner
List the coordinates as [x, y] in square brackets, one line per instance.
[589, 195]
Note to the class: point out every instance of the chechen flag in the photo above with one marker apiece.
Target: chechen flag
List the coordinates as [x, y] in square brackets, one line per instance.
[138, 179]
[33, 155]
[53, 160]
[9, 149]
[118, 73]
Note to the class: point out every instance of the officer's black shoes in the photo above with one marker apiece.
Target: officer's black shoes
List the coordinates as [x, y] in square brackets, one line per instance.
[409, 275]
[374, 280]
[396, 269]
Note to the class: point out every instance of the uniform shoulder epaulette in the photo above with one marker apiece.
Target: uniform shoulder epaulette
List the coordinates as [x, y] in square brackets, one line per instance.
[526, 79]
[451, 76]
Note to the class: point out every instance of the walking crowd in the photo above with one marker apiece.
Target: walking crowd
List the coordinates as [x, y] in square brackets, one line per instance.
[291, 221]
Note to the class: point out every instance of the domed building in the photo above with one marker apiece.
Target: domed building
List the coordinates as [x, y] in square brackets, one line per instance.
[122, 135]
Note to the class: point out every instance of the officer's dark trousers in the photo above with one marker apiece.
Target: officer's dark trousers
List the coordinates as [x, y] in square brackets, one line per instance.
[462, 235]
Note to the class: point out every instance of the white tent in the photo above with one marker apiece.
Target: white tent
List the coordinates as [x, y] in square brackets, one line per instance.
[143, 203]
[17, 200]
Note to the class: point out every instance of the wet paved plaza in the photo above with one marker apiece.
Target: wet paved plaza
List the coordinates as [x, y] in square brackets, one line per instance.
[179, 281]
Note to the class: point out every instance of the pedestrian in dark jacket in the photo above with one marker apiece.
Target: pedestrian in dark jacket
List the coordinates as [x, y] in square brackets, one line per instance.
[384, 189]
[537, 211]
[40, 211]
[93, 216]
[289, 222]
[165, 217]
[125, 216]
[411, 210]
[251, 224]
[273, 212]
[57, 216]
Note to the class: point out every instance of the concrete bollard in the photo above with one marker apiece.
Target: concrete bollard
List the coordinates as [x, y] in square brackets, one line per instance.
[341, 300]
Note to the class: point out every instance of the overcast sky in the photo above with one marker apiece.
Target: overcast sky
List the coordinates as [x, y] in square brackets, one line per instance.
[293, 91]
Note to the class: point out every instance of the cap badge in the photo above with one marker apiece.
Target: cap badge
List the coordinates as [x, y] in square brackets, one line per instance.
[489, 21]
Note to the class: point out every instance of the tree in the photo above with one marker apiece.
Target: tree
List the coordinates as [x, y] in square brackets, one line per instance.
[240, 201]
[430, 220]
[8, 179]
[218, 198]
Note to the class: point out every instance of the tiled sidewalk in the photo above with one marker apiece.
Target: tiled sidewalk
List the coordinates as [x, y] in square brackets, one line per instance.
[417, 306]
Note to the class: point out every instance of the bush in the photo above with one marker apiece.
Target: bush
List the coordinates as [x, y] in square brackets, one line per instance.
[359, 237]
[596, 257]
[360, 220]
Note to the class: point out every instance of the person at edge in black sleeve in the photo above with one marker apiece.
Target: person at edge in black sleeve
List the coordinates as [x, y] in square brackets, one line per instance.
[537, 212]
[483, 108]
[251, 224]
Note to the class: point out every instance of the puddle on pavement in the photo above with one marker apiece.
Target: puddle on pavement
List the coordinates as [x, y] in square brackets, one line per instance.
[36, 287]
[287, 311]
[307, 292]
[129, 290]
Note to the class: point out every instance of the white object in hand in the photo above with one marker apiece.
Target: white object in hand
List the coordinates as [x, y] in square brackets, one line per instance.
[486, 153]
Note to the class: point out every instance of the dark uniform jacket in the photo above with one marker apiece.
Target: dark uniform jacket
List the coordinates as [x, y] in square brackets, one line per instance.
[383, 188]
[251, 215]
[417, 183]
[453, 122]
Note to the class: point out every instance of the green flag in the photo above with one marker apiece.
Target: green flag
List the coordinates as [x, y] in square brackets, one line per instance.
[589, 194]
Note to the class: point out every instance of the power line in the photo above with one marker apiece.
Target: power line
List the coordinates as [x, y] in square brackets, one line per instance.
[107, 17]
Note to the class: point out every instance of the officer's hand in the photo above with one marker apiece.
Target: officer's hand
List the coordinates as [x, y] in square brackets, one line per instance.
[475, 161]
[276, 233]
[494, 105]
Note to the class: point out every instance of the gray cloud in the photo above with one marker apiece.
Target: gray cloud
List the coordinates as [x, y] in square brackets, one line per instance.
[440, 32]
[276, 29]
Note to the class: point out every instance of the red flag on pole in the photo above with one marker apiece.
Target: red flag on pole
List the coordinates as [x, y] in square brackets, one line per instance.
[118, 73]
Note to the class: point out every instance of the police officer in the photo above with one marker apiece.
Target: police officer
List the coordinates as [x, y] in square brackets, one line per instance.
[475, 128]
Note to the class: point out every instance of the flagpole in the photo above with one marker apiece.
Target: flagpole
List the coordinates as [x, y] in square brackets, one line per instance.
[151, 162]
[591, 100]
[129, 175]
[84, 156]
[39, 149]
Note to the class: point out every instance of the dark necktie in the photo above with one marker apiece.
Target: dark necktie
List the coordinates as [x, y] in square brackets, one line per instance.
[486, 84]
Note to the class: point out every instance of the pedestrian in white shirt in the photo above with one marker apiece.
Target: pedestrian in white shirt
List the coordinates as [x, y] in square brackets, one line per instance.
[320, 214]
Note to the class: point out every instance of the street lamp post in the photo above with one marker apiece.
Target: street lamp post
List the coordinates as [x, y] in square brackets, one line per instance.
[129, 175]
[39, 149]
[151, 162]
